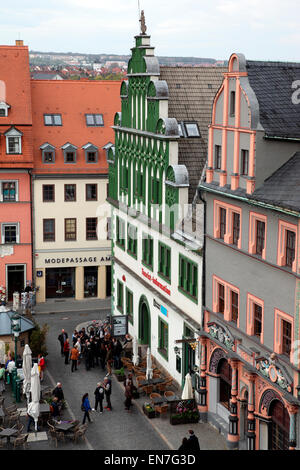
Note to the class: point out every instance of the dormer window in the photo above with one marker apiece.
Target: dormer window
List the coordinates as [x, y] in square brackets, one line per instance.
[48, 153]
[91, 153]
[69, 153]
[4, 107]
[13, 141]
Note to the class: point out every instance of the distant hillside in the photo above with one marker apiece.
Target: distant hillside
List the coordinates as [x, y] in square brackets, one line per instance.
[59, 58]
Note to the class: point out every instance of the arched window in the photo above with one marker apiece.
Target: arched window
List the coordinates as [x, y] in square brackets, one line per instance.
[279, 430]
[224, 371]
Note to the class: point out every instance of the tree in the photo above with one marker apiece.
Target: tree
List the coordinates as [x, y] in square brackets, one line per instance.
[37, 341]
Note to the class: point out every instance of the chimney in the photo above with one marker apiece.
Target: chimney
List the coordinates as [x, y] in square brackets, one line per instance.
[19, 42]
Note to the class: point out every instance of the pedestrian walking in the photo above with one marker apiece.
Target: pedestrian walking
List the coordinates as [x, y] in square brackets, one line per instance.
[107, 391]
[108, 358]
[86, 408]
[62, 338]
[74, 358]
[128, 396]
[67, 351]
[193, 443]
[99, 396]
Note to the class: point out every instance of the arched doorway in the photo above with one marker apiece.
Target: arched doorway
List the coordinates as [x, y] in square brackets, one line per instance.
[225, 373]
[144, 322]
[279, 427]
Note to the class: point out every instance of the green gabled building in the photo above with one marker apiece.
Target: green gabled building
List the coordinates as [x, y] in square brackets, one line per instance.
[156, 262]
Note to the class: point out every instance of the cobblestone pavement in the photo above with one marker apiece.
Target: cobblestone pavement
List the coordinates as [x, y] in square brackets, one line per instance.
[115, 430]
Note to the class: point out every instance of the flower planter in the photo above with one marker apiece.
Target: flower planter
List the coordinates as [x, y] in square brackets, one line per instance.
[184, 420]
[149, 413]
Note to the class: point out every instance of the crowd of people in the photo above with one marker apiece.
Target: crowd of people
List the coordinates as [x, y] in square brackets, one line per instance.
[94, 347]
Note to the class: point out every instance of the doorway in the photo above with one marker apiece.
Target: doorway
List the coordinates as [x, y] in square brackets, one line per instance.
[15, 279]
[144, 322]
[90, 281]
[279, 427]
[188, 355]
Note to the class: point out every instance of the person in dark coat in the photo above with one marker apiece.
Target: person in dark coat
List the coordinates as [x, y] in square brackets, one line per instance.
[87, 354]
[99, 396]
[107, 391]
[184, 447]
[54, 408]
[193, 443]
[62, 338]
[117, 350]
[58, 392]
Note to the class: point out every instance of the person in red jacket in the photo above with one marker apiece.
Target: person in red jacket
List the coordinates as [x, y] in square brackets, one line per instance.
[41, 366]
[66, 350]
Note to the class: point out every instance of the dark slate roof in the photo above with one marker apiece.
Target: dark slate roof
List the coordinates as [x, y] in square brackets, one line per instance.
[282, 188]
[191, 94]
[272, 84]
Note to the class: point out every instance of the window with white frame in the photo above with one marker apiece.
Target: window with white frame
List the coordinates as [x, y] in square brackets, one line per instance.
[52, 120]
[94, 120]
[4, 107]
[10, 233]
[13, 141]
[9, 191]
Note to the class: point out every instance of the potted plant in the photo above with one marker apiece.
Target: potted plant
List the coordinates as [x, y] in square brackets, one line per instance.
[149, 410]
[120, 374]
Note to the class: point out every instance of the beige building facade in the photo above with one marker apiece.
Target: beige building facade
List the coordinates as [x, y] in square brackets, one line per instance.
[72, 252]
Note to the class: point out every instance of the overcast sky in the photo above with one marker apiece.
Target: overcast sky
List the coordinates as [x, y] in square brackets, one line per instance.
[261, 29]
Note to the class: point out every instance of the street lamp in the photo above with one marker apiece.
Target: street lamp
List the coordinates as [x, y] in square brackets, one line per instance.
[16, 328]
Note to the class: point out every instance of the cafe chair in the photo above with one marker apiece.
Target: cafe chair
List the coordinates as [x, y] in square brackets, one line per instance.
[169, 381]
[8, 410]
[161, 409]
[147, 389]
[155, 395]
[161, 387]
[14, 418]
[21, 440]
[169, 393]
[80, 432]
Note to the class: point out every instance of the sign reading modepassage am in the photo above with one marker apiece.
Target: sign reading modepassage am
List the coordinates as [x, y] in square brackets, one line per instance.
[77, 260]
[156, 282]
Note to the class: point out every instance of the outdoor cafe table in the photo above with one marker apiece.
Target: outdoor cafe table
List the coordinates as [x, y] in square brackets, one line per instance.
[44, 412]
[64, 426]
[8, 432]
[151, 382]
[158, 400]
[172, 398]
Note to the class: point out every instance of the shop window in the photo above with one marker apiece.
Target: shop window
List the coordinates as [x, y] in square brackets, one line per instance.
[49, 230]
[70, 229]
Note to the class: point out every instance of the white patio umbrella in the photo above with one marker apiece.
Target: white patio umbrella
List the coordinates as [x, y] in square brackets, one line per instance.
[187, 392]
[35, 388]
[135, 353]
[149, 371]
[27, 365]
